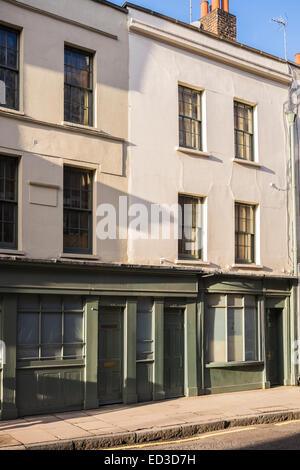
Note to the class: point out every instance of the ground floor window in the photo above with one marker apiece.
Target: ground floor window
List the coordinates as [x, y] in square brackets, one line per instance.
[232, 328]
[144, 330]
[50, 327]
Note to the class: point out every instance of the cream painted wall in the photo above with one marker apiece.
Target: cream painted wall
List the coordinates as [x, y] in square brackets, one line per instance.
[158, 172]
[38, 134]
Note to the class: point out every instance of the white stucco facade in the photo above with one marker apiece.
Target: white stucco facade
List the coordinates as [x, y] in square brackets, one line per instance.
[37, 133]
[163, 55]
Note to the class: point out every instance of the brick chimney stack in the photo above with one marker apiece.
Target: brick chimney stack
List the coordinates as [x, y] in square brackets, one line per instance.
[217, 19]
[297, 59]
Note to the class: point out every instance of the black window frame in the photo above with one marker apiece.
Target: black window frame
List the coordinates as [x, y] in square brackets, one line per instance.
[16, 70]
[9, 202]
[252, 234]
[89, 89]
[79, 210]
[182, 117]
[243, 132]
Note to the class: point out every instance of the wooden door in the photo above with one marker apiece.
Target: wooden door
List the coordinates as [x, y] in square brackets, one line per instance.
[174, 353]
[110, 361]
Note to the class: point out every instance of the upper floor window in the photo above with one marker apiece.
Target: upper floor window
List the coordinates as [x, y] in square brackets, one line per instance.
[9, 68]
[78, 194]
[190, 239]
[78, 86]
[190, 132]
[243, 124]
[8, 202]
[244, 233]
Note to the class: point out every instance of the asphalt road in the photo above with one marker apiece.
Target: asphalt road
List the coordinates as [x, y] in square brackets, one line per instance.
[280, 436]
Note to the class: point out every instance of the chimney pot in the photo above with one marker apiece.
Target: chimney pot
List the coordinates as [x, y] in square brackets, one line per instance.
[204, 8]
[215, 4]
[297, 59]
[225, 5]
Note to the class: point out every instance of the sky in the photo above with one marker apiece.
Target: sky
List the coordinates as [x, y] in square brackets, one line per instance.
[255, 27]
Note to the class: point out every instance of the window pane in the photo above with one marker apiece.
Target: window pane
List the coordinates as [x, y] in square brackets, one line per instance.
[235, 334]
[235, 300]
[251, 350]
[27, 352]
[144, 326]
[51, 328]
[73, 352]
[73, 303]
[29, 303]
[216, 335]
[216, 300]
[28, 328]
[73, 328]
[51, 303]
[51, 352]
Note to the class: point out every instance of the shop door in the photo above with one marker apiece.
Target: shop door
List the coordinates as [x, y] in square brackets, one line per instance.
[110, 361]
[174, 353]
[274, 346]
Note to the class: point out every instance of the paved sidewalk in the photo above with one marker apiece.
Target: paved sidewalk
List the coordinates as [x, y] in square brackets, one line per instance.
[119, 424]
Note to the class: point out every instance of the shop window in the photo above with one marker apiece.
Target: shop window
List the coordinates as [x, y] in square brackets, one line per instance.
[232, 328]
[50, 327]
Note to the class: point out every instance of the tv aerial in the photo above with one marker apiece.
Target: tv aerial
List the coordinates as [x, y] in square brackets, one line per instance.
[282, 23]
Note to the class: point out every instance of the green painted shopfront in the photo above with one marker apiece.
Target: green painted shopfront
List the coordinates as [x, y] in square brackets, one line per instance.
[80, 335]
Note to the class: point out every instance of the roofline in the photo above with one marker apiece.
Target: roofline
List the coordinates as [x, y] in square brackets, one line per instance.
[294, 64]
[112, 5]
[207, 33]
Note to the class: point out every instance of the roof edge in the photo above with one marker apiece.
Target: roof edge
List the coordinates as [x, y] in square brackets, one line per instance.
[112, 5]
[207, 33]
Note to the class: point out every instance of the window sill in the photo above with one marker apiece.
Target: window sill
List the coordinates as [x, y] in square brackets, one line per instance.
[79, 126]
[258, 267]
[192, 262]
[79, 256]
[240, 161]
[11, 111]
[8, 252]
[48, 364]
[228, 365]
[196, 153]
